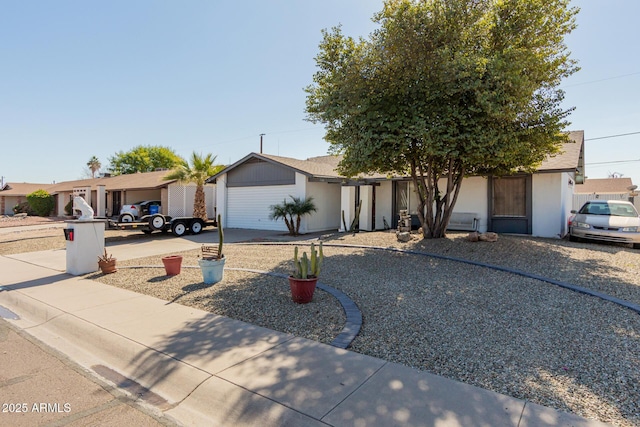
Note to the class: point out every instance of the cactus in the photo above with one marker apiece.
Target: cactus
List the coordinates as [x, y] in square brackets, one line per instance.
[220, 236]
[306, 267]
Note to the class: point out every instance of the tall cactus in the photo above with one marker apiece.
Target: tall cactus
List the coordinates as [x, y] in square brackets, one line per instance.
[220, 236]
[308, 266]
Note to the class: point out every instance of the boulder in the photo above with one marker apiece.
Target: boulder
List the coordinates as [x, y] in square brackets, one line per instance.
[404, 236]
[488, 237]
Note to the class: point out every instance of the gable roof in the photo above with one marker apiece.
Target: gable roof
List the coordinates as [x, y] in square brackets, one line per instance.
[320, 168]
[132, 181]
[570, 158]
[323, 168]
[604, 185]
[22, 188]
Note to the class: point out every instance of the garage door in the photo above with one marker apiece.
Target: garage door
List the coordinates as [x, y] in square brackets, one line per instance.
[248, 207]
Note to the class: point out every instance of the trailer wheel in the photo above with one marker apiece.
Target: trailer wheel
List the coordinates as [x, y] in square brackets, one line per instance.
[126, 217]
[196, 226]
[157, 222]
[179, 228]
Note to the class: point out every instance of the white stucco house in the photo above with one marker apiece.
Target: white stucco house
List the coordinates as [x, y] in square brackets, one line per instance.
[537, 204]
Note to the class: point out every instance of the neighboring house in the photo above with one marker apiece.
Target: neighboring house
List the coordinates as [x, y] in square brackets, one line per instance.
[603, 189]
[536, 204]
[108, 194]
[14, 193]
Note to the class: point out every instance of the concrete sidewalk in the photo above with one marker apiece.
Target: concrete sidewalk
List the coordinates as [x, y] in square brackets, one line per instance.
[202, 369]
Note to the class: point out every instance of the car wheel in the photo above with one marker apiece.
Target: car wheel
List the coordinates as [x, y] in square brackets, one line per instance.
[636, 246]
[179, 229]
[196, 226]
[126, 217]
[157, 222]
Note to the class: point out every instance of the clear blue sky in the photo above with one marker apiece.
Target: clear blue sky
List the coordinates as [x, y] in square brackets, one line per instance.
[79, 79]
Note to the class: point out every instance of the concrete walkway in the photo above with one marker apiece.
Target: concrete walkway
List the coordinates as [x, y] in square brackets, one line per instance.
[202, 369]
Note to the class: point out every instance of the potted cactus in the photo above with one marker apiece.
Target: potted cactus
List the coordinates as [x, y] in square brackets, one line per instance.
[212, 261]
[305, 276]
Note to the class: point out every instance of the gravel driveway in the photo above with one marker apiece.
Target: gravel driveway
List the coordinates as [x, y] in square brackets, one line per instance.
[515, 335]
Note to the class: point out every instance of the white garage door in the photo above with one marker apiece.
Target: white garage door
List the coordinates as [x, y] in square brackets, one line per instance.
[248, 207]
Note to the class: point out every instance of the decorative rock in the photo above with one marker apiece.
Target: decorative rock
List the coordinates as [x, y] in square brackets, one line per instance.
[473, 237]
[488, 237]
[404, 236]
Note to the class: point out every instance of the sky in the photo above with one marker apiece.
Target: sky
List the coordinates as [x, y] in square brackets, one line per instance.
[81, 79]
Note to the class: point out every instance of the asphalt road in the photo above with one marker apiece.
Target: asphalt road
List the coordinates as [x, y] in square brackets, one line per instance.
[41, 387]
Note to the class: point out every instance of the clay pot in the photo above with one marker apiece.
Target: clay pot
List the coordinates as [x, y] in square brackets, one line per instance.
[302, 289]
[172, 264]
[108, 267]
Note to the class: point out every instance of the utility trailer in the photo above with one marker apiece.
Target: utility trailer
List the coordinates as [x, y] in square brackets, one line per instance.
[178, 226]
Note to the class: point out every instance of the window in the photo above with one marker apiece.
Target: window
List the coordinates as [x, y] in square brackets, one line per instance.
[509, 197]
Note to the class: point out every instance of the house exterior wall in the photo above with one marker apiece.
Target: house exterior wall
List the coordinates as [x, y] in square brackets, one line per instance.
[383, 205]
[10, 202]
[549, 203]
[473, 198]
[133, 196]
[347, 206]
[326, 197]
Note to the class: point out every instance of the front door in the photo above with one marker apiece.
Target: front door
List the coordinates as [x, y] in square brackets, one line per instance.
[511, 204]
[117, 203]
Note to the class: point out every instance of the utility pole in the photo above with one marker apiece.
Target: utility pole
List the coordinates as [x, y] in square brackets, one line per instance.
[261, 135]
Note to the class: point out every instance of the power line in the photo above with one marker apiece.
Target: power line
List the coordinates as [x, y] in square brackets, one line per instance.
[614, 161]
[612, 136]
[603, 80]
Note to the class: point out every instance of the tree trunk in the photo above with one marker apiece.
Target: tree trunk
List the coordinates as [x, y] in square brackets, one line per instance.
[199, 204]
[438, 206]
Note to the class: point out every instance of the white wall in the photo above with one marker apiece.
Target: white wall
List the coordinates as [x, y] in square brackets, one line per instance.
[547, 210]
[347, 204]
[383, 205]
[327, 200]
[473, 198]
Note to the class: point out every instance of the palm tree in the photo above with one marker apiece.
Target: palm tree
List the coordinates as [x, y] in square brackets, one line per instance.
[197, 172]
[94, 165]
[295, 208]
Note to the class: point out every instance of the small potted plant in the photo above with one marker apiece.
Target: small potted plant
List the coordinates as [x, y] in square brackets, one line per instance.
[107, 263]
[305, 276]
[212, 261]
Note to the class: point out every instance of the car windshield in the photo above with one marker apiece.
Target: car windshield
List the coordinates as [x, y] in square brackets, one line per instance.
[613, 209]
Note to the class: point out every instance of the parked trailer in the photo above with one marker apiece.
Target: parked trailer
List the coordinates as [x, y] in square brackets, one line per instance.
[178, 226]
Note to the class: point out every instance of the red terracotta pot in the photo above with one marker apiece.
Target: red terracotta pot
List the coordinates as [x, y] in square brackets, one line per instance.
[302, 289]
[172, 264]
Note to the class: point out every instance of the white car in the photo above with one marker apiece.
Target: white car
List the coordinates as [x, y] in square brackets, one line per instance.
[606, 220]
[131, 212]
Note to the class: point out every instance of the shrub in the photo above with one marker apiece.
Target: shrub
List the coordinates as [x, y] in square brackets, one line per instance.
[68, 208]
[41, 202]
[23, 208]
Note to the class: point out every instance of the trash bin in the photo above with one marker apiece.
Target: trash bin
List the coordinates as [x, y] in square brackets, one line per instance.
[154, 209]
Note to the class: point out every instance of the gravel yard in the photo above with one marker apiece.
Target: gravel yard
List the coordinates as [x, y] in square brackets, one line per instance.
[497, 330]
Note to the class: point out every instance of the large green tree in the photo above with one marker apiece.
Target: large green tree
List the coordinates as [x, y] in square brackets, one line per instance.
[445, 89]
[199, 169]
[143, 159]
